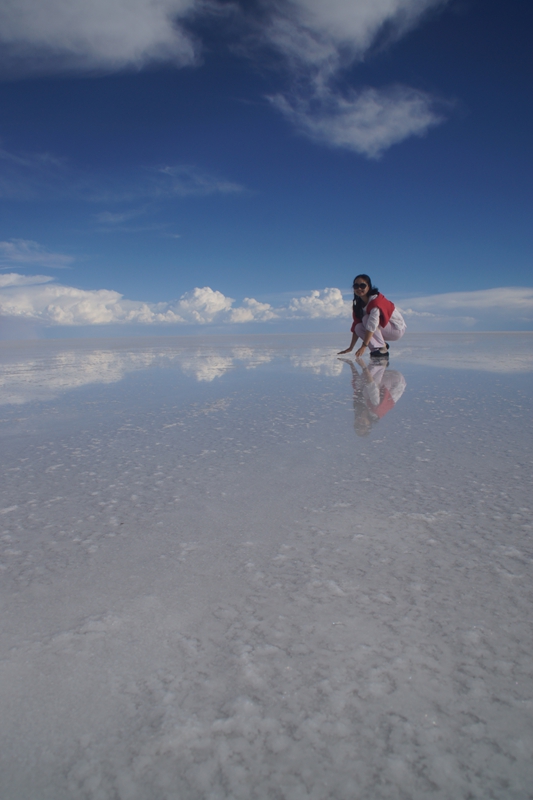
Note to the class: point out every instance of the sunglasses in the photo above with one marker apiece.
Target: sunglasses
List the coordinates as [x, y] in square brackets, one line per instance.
[360, 285]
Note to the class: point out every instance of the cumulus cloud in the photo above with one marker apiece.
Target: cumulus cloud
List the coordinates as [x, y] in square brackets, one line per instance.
[204, 305]
[253, 311]
[103, 35]
[26, 298]
[24, 252]
[323, 304]
[40, 300]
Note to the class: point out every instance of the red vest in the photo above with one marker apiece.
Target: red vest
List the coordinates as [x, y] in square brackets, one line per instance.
[385, 310]
[385, 403]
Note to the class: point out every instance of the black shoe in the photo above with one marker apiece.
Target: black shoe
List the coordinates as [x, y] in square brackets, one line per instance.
[379, 354]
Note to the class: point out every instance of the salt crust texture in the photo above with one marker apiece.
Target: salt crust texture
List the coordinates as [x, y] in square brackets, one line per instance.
[213, 588]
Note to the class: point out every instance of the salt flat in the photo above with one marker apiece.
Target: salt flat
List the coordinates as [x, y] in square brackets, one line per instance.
[245, 568]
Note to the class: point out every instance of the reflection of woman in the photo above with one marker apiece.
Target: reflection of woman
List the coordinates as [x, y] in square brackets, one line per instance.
[376, 390]
[375, 320]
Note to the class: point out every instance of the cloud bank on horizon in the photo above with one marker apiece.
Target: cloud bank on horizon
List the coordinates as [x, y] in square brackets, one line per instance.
[38, 299]
[313, 40]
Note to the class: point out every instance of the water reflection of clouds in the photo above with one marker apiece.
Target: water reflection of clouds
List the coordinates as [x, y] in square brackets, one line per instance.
[318, 360]
[33, 376]
[207, 368]
[502, 353]
[42, 371]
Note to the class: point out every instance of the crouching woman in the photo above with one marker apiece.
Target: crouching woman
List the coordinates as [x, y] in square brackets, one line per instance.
[376, 320]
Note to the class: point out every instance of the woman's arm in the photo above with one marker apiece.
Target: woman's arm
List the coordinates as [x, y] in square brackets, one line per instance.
[361, 351]
[355, 337]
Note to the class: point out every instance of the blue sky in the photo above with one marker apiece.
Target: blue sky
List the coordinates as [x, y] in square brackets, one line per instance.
[160, 162]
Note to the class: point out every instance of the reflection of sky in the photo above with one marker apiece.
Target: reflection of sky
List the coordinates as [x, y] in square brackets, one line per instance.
[488, 352]
[209, 581]
[44, 374]
[42, 371]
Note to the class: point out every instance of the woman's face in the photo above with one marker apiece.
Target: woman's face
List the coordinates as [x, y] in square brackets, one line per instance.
[360, 287]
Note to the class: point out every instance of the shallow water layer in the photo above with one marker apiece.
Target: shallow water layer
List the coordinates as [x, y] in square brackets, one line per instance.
[246, 568]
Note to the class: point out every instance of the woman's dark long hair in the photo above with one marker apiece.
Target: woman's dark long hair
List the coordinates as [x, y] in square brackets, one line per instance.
[357, 302]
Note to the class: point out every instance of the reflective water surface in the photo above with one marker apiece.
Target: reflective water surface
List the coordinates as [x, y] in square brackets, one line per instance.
[246, 568]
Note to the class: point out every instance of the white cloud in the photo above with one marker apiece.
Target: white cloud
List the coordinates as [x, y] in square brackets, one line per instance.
[316, 32]
[186, 180]
[27, 175]
[103, 35]
[323, 304]
[506, 298]
[26, 298]
[504, 308]
[117, 217]
[24, 252]
[30, 175]
[367, 122]
[317, 40]
[203, 305]
[39, 300]
[253, 311]
[14, 279]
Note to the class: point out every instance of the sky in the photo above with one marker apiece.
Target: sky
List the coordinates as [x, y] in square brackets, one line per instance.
[196, 166]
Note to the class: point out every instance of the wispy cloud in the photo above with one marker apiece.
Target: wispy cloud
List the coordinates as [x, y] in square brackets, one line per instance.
[153, 184]
[101, 35]
[185, 180]
[505, 308]
[368, 122]
[318, 41]
[117, 217]
[14, 279]
[24, 252]
[26, 176]
[507, 299]
[128, 222]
